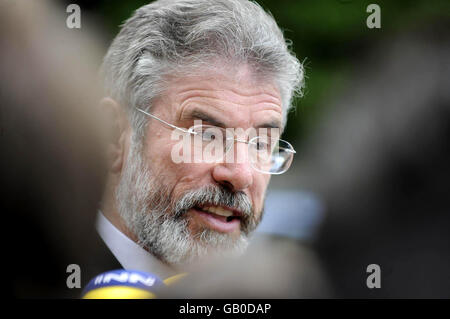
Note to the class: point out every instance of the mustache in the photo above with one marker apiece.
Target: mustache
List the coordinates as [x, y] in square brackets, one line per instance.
[216, 195]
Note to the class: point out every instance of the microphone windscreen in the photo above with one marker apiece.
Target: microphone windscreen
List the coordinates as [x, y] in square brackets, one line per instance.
[123, 284]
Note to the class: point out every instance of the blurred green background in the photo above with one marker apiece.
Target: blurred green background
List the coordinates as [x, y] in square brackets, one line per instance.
[329, 37]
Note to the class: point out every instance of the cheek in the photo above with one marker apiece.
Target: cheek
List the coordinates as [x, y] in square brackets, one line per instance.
[158, 157]
[182, 176]
[259, 190]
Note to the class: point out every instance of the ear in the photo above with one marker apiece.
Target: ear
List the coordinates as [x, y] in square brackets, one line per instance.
[119, 126]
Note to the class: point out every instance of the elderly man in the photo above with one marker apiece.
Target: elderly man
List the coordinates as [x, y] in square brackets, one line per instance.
[193, 67]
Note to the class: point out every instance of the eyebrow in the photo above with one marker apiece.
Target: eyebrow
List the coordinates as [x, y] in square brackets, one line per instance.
[198, 114]
[201, 115]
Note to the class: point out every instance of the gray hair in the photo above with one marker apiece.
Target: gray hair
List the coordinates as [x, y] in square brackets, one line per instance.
[168, 37]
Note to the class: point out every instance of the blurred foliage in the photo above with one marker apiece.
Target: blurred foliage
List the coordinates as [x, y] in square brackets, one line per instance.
[329, 36]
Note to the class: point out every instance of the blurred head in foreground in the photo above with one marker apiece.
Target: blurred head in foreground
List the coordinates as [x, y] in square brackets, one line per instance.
[52, 146]
[379, 158]
[195, 68]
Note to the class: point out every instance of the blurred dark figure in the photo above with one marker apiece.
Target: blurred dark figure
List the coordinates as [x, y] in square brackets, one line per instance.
[381, 162]
[272, 267]
[52, 150]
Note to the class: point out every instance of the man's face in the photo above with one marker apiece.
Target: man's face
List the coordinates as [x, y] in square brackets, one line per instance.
[219, 100]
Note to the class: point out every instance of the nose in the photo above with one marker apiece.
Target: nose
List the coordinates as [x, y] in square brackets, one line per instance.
[238, 174]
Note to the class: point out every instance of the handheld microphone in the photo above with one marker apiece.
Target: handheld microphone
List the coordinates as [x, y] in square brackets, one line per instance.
[123, 284]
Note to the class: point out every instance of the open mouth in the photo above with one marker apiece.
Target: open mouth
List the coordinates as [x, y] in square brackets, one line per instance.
[219, 218]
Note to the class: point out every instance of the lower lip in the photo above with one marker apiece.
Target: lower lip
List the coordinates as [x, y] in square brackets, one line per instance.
[216, 222]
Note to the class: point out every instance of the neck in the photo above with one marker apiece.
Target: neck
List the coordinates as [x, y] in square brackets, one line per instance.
[110, 211]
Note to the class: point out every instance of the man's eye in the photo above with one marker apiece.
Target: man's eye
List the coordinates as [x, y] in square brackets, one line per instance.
[208, 136]
[262, 146]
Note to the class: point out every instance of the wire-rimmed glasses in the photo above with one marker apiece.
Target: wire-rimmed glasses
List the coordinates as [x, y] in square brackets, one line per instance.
[267, 153]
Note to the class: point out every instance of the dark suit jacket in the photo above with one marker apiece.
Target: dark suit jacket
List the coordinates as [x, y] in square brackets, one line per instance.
[103, 261]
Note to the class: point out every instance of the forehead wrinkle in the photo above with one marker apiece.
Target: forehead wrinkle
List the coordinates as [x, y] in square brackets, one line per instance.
[220, 95]
[217, 102]
[219, 82]
[236, 97]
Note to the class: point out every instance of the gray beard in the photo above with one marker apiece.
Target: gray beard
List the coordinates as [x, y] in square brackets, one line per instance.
[159, 221]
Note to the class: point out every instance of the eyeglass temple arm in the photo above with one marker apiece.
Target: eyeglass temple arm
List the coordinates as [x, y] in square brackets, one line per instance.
[162, 121]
